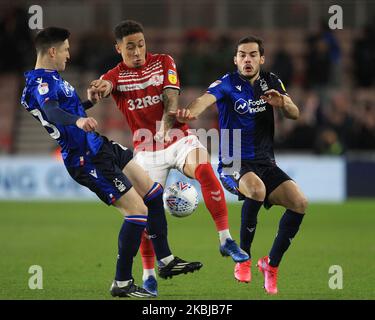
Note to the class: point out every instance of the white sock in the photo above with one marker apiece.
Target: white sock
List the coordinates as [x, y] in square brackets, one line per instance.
[224, 235]
[121, 284]
[147, 273]
[168, 259]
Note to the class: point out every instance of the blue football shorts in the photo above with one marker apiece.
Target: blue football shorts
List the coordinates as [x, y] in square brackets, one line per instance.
[102, 173]
[271, 175]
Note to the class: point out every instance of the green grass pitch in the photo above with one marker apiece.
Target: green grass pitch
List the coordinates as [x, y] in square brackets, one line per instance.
[76, 246]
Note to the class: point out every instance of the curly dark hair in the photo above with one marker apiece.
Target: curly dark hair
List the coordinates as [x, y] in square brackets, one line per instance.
[127, 27]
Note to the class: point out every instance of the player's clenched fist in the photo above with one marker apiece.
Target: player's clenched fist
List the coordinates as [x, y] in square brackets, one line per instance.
[182, 115]
[87, 124]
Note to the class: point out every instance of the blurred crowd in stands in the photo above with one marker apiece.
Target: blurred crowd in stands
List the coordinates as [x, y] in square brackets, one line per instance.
[337, 100]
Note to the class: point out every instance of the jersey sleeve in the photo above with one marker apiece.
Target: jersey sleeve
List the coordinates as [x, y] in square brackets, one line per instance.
[46, 90]
[171, 79]
[111, 76]
[277, 84]
[218, 88]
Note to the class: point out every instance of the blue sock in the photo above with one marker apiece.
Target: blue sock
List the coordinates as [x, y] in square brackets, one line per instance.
[250, 209]
[129, 240]
[288, 228]
[157, 222]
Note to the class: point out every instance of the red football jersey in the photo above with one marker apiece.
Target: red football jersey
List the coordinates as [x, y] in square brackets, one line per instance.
[138, 94]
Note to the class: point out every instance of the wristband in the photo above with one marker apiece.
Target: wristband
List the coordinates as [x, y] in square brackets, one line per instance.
[87, 104]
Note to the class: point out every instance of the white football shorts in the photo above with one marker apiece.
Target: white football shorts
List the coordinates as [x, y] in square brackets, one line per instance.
[158, 163]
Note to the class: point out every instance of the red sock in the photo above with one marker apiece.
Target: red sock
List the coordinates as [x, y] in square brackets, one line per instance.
[147, 252]
[213, 195]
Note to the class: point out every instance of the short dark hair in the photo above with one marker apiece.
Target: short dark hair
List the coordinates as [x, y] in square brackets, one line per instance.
[251, 39]
[127, 27]
[49, 37]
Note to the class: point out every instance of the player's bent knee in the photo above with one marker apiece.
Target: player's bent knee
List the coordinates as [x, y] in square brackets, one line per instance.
[300, 205]
[251, 186]
[131, 203]
[255, 191]
[305, 204]
[135, 209]
[258, 193]
[203, 170]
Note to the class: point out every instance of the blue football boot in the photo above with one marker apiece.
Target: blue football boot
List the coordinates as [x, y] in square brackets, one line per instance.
[230, 248]
[151, 285]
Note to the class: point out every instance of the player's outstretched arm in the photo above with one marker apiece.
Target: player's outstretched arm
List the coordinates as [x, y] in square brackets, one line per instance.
[195, 108]
[278, 100]
[102, 87]
[58, 116]
[87, 124]
[290, 110]
[170, 102]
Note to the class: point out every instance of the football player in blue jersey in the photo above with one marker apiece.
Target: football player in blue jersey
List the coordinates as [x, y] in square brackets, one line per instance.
[246, 100]
[103, 166]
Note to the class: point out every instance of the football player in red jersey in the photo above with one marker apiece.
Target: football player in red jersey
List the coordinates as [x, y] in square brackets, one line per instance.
[145, 87]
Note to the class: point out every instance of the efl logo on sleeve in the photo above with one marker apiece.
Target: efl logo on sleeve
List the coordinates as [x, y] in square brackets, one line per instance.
[43, 88]
[172, 76]
[214, 84]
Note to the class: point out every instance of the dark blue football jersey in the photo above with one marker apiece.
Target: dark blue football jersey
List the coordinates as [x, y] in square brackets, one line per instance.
[240, 107]
[43, 85]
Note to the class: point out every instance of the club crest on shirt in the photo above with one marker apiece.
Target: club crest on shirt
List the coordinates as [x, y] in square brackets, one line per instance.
[172, 76]
[67, 88]
[263, 85]
[43, 88]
